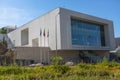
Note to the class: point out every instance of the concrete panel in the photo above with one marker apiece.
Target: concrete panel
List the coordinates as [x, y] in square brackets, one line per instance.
[38, 54]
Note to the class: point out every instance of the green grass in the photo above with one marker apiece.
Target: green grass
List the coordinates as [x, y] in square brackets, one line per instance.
[82, 71]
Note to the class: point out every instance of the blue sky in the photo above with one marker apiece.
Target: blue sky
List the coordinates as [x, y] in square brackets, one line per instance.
[19, 12]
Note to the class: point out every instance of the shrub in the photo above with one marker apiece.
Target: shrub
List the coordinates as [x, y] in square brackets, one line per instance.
[62, 72]
[113, 64]
[61, 69]
[105, 61]
[56, 60]
[86, 66]
[14, 70]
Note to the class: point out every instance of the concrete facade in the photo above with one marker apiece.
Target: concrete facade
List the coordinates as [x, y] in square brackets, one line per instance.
[58, 24]
[117, 41]
[37, 54]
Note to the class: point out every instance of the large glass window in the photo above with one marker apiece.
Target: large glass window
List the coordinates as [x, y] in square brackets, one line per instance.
[87, 34]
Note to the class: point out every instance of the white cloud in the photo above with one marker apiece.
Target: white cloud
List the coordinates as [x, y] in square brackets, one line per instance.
[13, 16]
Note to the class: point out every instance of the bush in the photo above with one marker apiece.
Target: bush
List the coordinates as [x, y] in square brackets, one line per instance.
[56, 60]
[14, 70]
[113, 64]
[105, 61]
[82, 71]
[62, 69]
[86, 66]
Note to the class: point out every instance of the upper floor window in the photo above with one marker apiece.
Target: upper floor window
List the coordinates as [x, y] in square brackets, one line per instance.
[87, 34]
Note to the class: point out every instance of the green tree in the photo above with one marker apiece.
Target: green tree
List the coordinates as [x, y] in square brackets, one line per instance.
[3, 31]
[4, 42]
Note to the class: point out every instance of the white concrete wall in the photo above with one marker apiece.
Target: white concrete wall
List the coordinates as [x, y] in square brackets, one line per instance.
[46, 22]
[15, 36]
[38, 54]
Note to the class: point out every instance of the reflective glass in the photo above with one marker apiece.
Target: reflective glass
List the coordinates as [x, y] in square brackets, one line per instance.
[87, 34]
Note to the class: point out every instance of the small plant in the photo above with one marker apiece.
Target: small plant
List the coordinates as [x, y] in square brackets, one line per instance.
[113, 64]
[118, 55]
[56, 60]
[62, 69]
[104, 62]
[86, 66]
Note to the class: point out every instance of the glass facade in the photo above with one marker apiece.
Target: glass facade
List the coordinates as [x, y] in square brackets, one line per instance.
[87, 34]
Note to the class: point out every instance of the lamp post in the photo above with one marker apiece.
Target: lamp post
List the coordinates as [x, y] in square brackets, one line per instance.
[56, 32]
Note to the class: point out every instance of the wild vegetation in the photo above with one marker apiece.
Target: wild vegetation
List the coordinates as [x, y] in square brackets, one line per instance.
[6, 55]
[100, 71]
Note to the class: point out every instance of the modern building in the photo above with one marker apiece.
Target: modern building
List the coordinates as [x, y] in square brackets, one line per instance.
[117, 41]
[65, 33]
[10, 28]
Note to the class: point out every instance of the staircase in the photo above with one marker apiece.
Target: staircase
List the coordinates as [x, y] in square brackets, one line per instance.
[91, 57]
[117, 50]
[114, 57]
